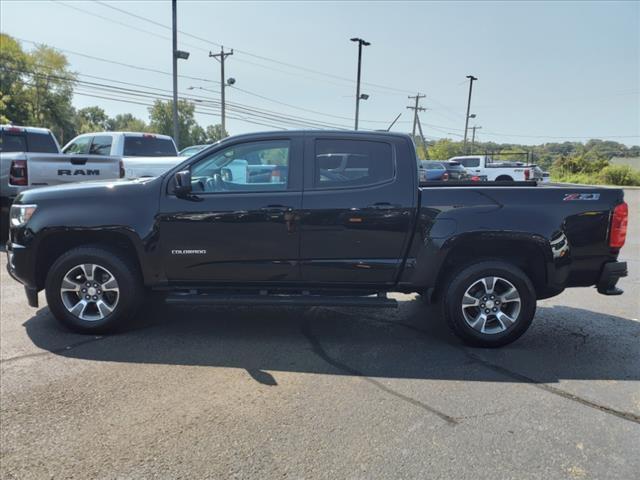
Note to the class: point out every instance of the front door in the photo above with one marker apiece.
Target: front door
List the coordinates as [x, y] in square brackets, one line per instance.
[240, 223]
[358, 208]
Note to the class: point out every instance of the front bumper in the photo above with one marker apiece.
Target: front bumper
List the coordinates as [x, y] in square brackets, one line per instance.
[611, 273]
[19, 267]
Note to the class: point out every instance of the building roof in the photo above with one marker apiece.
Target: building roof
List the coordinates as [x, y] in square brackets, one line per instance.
[633, 162]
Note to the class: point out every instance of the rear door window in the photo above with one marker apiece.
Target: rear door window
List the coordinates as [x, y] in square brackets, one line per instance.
[469, 162]
[101, 145]
[79, 146]
[41, 143]
[351, 163]
[149, 146]
[10, 142]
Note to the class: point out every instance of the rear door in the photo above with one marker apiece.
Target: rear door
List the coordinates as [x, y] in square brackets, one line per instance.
[357, 210]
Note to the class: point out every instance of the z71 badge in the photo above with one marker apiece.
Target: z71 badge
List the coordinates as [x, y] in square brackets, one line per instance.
[581, 196]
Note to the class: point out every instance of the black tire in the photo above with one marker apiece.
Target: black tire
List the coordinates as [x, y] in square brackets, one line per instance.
[129, 283]
[504, 178]
[464, 279]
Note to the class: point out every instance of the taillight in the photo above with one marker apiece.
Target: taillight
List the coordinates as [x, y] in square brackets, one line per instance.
[619, 220]
[445, 176]
[18, 173]
[121, 169]
[527, 173]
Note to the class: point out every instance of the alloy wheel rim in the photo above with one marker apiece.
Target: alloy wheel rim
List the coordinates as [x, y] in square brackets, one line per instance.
[491, 305]
[89, 292]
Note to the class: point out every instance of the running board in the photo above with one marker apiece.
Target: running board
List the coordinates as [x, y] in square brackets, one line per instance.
[279, 300]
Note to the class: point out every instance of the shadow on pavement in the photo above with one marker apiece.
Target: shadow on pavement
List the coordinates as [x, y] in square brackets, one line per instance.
[412, 342]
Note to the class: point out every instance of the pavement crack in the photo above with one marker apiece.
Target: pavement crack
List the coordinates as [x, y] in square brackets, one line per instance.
[629, 416]
[50, 352]
[319, 350]
[632, 417]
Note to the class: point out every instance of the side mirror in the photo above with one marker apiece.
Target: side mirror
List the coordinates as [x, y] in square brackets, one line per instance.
[183, 183]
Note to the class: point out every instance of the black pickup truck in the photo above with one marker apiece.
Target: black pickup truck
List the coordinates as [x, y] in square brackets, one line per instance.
[314, 218]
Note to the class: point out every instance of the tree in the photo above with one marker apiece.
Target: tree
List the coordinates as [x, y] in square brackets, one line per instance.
[125, 122]
[37, 87]
[215, 133]
[161, 121]
[445, 149]
[14, 64]
[92, 119]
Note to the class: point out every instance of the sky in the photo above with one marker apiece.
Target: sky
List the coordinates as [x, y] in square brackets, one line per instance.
[547, 71]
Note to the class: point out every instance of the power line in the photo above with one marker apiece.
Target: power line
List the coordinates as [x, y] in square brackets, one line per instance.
[115, 62]
[245, 52]
[237, 107]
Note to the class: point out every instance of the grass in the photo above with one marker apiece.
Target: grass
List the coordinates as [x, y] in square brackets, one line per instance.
[621, 175]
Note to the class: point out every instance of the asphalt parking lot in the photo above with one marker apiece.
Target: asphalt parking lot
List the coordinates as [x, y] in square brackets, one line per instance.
[324, 392]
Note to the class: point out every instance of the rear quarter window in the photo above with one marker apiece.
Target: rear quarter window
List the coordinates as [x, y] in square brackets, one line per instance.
[149, 147]
[352, 163]
[41, 143]
[10, 142]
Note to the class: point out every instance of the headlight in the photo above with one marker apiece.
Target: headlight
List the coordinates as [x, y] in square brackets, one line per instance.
[20, 214]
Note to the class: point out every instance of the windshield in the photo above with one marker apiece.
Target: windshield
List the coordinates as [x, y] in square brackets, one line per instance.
[149, 146]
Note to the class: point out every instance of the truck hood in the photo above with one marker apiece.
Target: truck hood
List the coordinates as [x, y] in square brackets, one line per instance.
[90, 189]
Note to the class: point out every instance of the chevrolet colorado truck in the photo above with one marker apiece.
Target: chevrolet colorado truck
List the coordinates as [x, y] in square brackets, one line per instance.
[314, 218]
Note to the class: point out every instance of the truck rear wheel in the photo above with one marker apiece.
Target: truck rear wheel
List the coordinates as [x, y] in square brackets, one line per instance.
[93, 290]
[489, 304]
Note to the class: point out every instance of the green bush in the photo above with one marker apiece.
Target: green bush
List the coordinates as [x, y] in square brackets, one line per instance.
[619, 175]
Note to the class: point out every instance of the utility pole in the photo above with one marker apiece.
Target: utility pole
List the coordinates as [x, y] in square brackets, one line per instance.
[424, 141]
[466, 119]
[361, 42]
[221, 57]
[415, 109]
[473, 135]
[174, 21]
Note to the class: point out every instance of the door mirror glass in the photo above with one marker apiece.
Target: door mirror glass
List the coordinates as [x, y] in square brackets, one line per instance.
[183, 183]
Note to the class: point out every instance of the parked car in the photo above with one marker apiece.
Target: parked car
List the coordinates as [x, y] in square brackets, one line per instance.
[456, 171]
[30, 157]
[317, 236]
[193, 149]
[485, 166]
[431, 171]
[142, 154]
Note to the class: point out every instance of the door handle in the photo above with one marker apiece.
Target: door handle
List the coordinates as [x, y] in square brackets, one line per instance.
[276, 208]
[383, 206]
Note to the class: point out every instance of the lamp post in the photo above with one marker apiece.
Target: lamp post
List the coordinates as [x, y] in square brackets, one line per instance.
[466, 120]
[359, 97]
[176, 54]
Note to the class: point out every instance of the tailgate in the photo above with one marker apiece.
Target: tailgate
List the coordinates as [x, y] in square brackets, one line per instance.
[53, 169]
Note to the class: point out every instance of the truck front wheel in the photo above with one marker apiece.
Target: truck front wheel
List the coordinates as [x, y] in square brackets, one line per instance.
[93, 290]
[489, 304]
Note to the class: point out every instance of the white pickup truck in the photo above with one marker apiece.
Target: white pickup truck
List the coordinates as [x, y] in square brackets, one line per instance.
[30, 157]
[142, 154]
[485, 167]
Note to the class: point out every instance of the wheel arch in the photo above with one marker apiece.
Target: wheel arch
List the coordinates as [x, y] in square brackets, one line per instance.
[530, 253]
[56, 243]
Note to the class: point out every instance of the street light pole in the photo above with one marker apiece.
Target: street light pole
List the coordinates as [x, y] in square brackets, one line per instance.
[176, 132]
[466, 120]
[361, 42]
